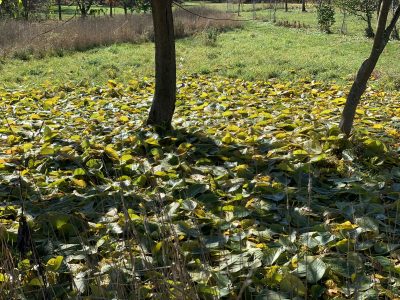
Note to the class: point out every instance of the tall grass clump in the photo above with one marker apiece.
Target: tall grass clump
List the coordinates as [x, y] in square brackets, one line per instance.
[21, 39]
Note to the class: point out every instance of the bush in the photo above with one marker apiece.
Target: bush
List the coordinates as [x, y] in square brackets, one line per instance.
[326, 17]
[210, 36]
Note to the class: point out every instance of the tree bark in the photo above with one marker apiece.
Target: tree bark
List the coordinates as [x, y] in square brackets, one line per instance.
[286, 6]
[125, 8]
[26, 6]
[59, 10]
[163, 105]
[369, 31]
[303, 5]
[111, 7]
[395, 34]
[360, 83]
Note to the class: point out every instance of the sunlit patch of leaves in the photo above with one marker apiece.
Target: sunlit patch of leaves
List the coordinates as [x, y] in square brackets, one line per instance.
[255, 193]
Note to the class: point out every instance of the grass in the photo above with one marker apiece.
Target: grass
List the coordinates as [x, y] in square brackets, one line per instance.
[258, 51]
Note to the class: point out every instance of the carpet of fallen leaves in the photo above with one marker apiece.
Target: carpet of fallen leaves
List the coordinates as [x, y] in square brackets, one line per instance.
[254, 195]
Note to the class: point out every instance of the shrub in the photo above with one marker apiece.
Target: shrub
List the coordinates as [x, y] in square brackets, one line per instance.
[326, 17]
[210, 36]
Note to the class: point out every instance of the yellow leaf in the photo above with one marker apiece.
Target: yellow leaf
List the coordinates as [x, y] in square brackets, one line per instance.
[79, 182]
[113, 154]
[54, 263]
[47, 151]
[360, 111]
[232, 128]
[152, 141]
[345, 226]
[227, 139]
[35, 117]
[4, 277]
[158, 247]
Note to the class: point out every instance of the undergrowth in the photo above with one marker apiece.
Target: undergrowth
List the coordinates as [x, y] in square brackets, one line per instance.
[255, 194]
[24, 40]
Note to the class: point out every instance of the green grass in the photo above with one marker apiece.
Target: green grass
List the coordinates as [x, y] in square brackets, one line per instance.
[355, 26]
[258, 51]
[69, 11]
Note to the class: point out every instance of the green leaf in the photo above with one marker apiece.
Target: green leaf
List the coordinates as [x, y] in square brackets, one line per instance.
[195, 189]
[312, 267]
[36, 282]
[292, 284]
[272, 255]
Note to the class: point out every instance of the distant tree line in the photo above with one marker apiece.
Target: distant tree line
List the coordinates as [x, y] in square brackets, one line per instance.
[42, 9]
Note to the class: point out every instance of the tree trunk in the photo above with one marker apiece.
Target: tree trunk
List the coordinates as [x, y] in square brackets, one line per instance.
[378, 8]
[395, 34]
[369, 31]
[59, 10]
[111, 7]
[286, 5]
[25, 13]
[303, 5]
[343, 28]
[125, 8]
[360, 83]
[163, 105]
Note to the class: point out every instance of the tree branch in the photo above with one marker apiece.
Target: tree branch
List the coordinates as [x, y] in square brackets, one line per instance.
[393, 22]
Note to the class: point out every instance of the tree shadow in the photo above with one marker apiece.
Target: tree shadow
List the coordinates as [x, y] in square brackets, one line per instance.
[190, 196]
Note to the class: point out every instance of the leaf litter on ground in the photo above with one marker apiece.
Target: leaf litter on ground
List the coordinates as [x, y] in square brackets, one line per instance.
[255, 193]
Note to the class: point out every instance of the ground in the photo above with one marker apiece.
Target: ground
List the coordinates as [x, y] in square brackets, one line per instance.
[254, 193]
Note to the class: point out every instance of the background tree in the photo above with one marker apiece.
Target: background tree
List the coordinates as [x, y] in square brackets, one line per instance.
[326, 17]
[128, 5]
[59, 10]
[84, 6]
[360, 83]
[11, 8]
[364, 9]
[163, 105]
[395, 33]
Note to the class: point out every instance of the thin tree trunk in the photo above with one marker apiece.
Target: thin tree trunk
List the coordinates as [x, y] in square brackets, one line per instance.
[163, 105]
[343, 28]
[303, 5]
[286, 5]
[395, 34]
[369, 31]
[111, 7]
[26, 4]
[59, 10]
[360, 83]
[125, 9]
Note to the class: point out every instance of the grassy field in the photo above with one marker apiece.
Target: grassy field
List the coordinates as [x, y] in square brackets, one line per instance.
[260, 50]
